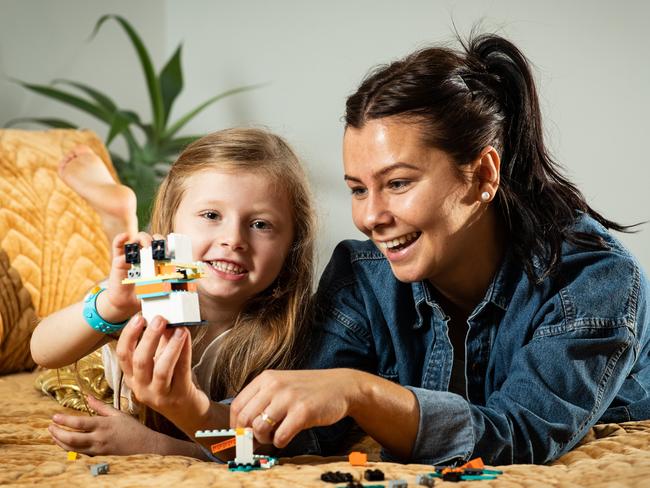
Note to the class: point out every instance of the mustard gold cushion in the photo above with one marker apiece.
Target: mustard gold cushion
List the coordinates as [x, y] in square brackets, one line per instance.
[52, 244]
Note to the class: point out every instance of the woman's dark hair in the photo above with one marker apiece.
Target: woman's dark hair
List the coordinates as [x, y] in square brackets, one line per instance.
[484, 95]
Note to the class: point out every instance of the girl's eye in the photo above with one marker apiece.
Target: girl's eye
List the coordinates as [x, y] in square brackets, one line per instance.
[210, 215]
[260, 225]
[398, 184]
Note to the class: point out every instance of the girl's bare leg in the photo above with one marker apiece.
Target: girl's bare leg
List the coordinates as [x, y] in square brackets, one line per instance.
[84, 171]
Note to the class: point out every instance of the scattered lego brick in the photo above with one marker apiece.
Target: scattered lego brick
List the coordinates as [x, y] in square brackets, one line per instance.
[374, 475]
[424, 480]
[358, 458]
[97, 469]
[72, 456]
[397, 484]
[336, 477]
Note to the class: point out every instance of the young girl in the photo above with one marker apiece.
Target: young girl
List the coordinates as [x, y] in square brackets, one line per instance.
[491, 313]
[242, 197]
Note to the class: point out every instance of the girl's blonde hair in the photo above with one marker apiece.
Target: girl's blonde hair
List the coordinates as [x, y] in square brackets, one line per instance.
[269, 329]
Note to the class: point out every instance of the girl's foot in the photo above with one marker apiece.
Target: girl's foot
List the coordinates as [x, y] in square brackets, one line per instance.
[84, 171]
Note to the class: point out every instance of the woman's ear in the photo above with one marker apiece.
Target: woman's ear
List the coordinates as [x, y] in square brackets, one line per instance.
[487, 173]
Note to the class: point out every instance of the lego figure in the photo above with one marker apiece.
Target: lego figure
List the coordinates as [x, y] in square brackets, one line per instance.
[163, 275]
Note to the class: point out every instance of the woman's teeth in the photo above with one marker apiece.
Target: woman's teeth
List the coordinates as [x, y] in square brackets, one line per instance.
[400, 241]
[227, 267]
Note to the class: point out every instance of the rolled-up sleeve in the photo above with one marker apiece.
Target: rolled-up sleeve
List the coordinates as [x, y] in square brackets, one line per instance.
[541, 411]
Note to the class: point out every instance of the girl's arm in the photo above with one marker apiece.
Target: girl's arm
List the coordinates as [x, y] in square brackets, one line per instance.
[113, 432]
[64, 336]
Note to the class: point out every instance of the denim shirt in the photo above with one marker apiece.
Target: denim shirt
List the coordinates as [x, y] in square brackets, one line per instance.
[544, 363]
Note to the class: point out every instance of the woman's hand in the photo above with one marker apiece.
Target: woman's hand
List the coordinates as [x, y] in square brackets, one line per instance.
[279, 404]
[109, 432]
[157, 368]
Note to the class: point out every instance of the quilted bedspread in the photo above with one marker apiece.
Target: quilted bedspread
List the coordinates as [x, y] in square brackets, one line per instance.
[616, 455]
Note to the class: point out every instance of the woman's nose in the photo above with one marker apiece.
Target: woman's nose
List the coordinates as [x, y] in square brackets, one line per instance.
[376, 212]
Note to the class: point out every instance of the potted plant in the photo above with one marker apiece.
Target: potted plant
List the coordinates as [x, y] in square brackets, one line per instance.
[151, 152]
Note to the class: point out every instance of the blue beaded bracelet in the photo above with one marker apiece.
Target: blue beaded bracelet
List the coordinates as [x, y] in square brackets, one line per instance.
[94, 319]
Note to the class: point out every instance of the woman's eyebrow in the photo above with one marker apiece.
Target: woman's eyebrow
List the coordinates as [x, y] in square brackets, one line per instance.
[384, 171]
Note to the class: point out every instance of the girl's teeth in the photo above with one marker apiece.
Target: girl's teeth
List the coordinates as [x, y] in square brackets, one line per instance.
[228, 267]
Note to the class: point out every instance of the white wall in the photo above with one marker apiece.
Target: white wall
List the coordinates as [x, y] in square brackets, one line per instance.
[591, 60]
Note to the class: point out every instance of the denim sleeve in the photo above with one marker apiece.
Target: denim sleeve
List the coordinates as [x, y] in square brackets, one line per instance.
[541, 411]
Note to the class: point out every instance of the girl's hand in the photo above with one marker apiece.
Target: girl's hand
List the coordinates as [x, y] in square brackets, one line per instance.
[110, 432]
[293, 401]
[158, 367]
[119, 301]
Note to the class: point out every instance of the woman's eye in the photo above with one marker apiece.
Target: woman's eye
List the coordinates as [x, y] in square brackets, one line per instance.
[210, 215]
[398, 184]
[358, 191]
[260, 225]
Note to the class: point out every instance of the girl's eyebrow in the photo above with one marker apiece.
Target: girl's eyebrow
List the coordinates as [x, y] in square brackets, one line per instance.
[384, 171]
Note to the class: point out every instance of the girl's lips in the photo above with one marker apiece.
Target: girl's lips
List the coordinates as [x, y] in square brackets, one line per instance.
[227, 276]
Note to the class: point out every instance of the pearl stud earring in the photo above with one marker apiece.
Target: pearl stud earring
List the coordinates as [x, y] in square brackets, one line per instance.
[485, 196]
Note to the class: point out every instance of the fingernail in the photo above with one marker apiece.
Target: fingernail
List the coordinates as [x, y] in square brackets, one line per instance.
[56, 418]
[179, 333]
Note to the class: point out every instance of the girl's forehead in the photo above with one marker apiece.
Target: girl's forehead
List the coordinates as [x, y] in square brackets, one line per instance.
[215, 184]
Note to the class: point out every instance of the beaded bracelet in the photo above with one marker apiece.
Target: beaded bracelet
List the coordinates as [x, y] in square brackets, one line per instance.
[92, 315]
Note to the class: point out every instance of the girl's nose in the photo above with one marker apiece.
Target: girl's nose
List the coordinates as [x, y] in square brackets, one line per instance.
[234, 238]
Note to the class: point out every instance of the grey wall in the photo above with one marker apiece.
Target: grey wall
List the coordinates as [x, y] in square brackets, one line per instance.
[591, 62]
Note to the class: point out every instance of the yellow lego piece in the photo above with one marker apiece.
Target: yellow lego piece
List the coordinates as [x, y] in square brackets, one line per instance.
[72, 456]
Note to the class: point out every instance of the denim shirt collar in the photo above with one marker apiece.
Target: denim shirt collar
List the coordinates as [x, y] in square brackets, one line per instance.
[499, 292]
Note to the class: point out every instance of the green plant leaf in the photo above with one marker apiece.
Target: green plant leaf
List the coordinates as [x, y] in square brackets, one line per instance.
[153, 87]
[50, 122]
[69, 99]
[193, 113]
[103, 100]
[119, 124]
[171, 82]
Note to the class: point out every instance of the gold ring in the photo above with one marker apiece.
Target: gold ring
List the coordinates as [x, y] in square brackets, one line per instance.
[267, 419]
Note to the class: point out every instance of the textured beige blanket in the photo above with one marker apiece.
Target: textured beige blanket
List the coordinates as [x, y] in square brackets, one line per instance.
[611, 455]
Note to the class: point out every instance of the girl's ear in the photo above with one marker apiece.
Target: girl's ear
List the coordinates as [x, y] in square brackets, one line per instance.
[487, 174]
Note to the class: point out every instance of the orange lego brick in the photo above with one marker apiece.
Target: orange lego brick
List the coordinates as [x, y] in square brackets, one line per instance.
[153, 288]
[358, 458]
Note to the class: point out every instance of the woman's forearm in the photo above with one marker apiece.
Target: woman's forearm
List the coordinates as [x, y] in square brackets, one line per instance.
[386, 411]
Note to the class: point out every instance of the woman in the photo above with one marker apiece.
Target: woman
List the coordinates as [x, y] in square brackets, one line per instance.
[491, 313]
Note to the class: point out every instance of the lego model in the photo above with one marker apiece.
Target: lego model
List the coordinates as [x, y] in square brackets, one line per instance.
[163, 276]
[97, 469]
[242, 440]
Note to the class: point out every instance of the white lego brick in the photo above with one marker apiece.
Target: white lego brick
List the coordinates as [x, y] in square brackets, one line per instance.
[179, 247]
[147, 265]
[215, 433]
[178, 306]
[244, 448]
